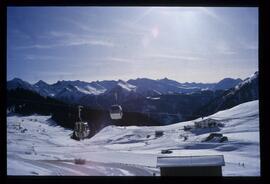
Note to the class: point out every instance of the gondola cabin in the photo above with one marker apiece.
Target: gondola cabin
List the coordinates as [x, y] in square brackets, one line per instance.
[116, 112]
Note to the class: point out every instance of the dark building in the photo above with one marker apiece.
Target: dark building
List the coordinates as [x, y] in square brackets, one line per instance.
[207, 165]
[158, 133]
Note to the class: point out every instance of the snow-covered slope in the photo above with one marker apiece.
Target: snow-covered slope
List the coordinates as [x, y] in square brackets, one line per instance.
[126, 86]
[84, 88]
[252, 79]
[44, 89]
[36, 146]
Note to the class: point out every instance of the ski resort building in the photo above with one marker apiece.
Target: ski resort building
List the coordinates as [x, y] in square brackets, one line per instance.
[207, 123]
[210, 165]
[159, 133]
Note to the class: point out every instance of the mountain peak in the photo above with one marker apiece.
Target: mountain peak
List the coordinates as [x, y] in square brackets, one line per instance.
[255, 75]
[250, 79]
[41, 82]
[227, 83]
[18, 83]
[16, 79]
[121, 81]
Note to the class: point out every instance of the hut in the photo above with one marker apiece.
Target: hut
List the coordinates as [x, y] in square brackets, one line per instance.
[159, 133]
[206, 165]
[207, 123]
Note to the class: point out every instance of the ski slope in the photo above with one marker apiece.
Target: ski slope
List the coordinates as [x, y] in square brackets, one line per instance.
[37, 146]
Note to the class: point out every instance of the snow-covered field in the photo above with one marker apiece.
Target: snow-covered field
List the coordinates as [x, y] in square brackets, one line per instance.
[37, 146]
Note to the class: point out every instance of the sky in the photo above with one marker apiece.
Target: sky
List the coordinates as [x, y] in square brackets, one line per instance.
[186, 44]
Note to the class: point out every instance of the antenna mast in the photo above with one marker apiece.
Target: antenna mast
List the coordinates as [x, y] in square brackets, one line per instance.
[79, 109]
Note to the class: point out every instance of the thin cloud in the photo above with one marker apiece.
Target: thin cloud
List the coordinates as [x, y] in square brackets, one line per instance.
[60, 34]
[175, 57]
[121, 27]
[38, 46]
[55, 73]
[81, 41]
[215, 16]
[222, 47]
[120, 60]
[42, 57]
[70, 41]
[123, 60]
[80, 25]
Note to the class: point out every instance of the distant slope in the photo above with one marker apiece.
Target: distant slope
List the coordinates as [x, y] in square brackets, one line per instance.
[227, 83]
[248, 90]
[27, 102]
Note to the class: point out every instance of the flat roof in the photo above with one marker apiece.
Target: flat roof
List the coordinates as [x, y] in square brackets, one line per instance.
[191, 161]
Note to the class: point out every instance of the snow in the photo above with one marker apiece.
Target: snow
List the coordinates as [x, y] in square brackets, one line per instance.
[28, 168]
[126, 86]
[89, 90]
[153, 98]
[246, 81]
[37, 146]
[159, 93]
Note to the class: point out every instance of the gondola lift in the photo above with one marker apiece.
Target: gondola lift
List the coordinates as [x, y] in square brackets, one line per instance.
[116, 111]
[81, 128]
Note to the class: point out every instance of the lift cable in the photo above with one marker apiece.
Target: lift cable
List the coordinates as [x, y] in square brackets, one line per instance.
[70, 105]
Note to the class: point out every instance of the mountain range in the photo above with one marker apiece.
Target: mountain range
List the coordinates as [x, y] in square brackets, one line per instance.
[245, 91]
[74, 90]
[163, 100]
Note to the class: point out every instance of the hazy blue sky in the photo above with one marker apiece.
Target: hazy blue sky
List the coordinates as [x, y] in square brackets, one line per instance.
[186, 44]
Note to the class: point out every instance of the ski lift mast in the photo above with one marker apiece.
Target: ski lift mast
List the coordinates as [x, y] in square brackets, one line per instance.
[81, 129]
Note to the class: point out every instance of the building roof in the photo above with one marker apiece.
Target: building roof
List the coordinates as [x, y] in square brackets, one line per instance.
[191, 161]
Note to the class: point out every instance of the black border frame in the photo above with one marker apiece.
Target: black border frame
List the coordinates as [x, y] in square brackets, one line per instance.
[263, 101]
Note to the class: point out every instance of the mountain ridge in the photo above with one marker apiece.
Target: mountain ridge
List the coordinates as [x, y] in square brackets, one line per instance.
[143, 86]
[163, 107]
[245, 91]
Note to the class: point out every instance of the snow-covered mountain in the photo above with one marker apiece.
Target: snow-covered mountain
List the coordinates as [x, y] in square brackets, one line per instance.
[143, 86]
[44, 89]
[19, 83]
[80, 86]
[119, 93]
[183, 100]
[74, 90]
[37, 146]
[245, 91]
[149, 87]
[126, 85]
[227, 83]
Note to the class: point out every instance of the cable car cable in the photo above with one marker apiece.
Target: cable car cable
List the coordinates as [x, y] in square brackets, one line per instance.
[70, 105]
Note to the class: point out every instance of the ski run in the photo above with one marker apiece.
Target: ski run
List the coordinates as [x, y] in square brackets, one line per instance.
[38, 146]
